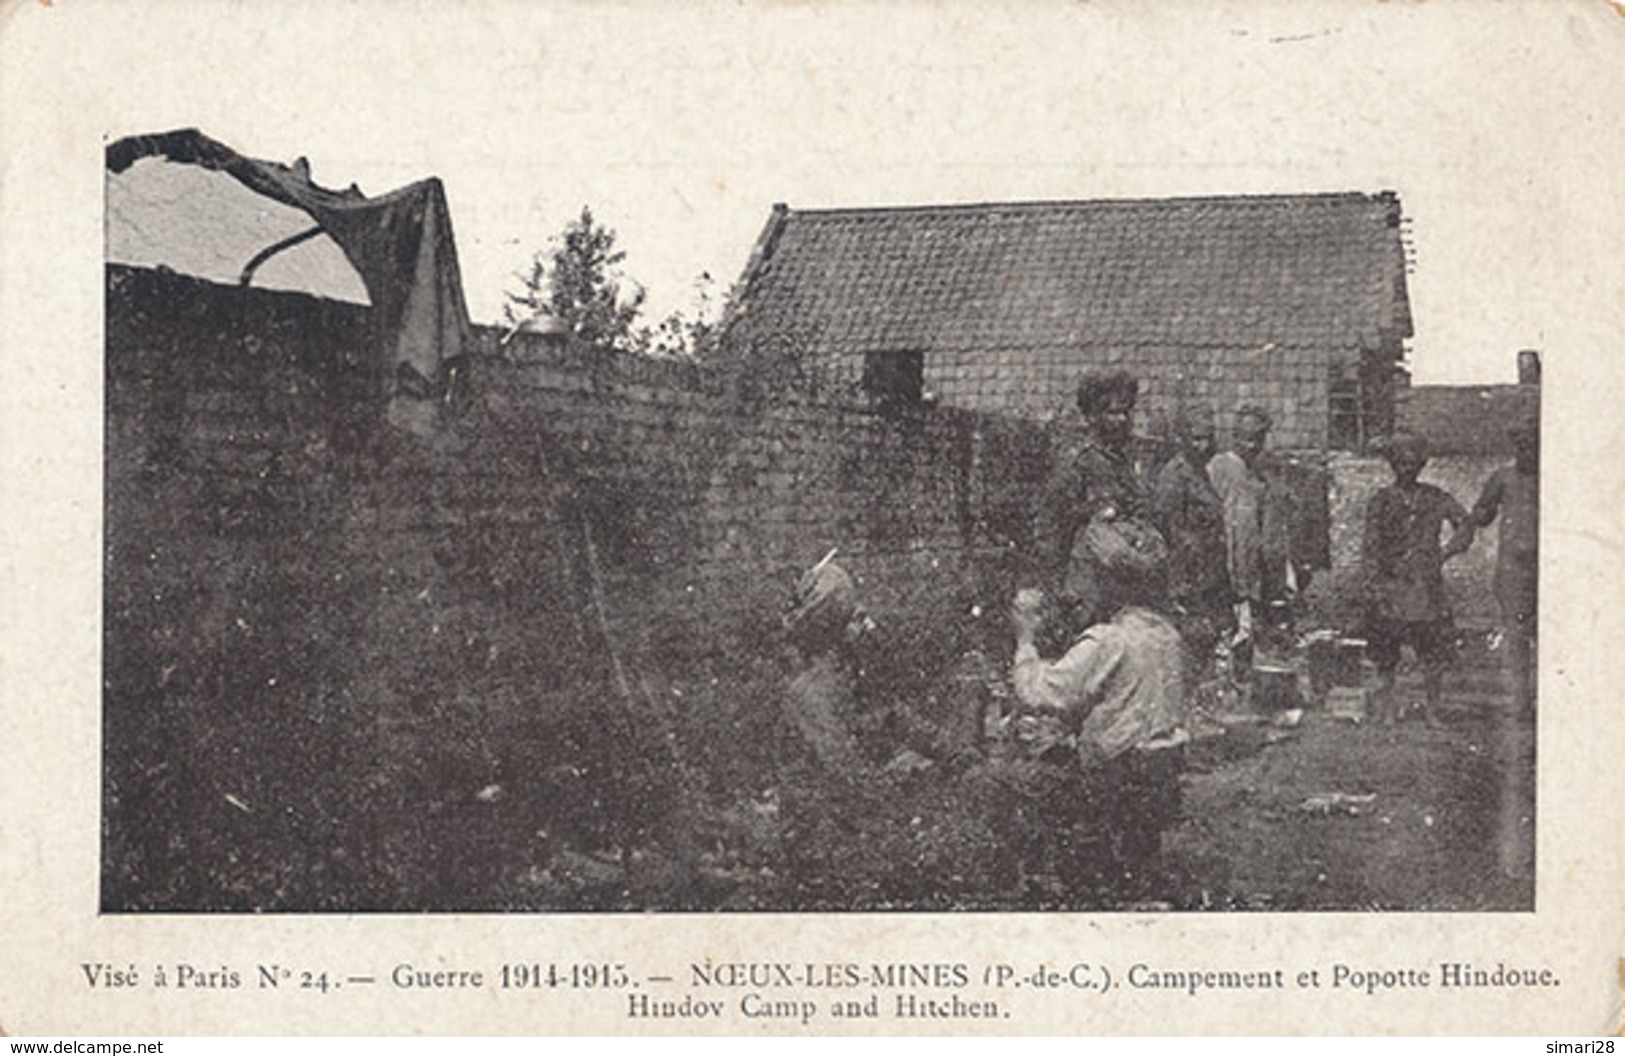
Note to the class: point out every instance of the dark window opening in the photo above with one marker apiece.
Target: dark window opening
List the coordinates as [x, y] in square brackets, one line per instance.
[1348, 426]
[894, 380]
[1362, 403]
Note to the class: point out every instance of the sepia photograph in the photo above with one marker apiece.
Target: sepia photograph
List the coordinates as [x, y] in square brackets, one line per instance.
[1028, 514]
[1010, 555]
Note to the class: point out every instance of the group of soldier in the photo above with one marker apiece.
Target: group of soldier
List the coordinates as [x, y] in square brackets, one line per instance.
[1140, 587]
[1225, 523]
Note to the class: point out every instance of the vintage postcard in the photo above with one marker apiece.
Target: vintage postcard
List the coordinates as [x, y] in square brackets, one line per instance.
[844, 518]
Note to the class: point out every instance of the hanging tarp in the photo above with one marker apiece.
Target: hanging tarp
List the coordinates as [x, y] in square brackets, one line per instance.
[399, 244]
[202, 223]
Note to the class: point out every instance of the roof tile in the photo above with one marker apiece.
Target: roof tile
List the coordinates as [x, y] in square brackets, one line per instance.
[1305, 271]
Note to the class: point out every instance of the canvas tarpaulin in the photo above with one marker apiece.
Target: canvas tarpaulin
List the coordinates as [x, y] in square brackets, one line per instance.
[400, 244]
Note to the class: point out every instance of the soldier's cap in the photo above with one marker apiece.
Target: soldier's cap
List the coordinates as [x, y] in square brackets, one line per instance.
[1125, 545]
[1258, 416]
[1098, 388]
[824, 600]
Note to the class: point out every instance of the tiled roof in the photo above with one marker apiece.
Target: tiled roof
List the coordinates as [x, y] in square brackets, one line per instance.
[1323, 271]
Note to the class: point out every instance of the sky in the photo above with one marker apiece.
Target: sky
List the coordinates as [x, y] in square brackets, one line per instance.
[681, 124]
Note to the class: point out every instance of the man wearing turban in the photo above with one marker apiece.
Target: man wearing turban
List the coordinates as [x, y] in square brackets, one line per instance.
[1120, 690]
[1403, 572]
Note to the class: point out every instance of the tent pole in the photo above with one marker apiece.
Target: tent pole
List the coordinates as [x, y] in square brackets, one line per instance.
[272, 250]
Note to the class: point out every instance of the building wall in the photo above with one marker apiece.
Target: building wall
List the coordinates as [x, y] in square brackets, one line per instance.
[342, 662]
[1292, 384]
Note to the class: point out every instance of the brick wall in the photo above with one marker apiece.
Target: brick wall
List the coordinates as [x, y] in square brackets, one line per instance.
[1292, 384]
[340, 666]
[1467, 420]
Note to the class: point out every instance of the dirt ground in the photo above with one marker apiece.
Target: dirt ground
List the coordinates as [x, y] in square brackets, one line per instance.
[1450, 827]
[1324, 814]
